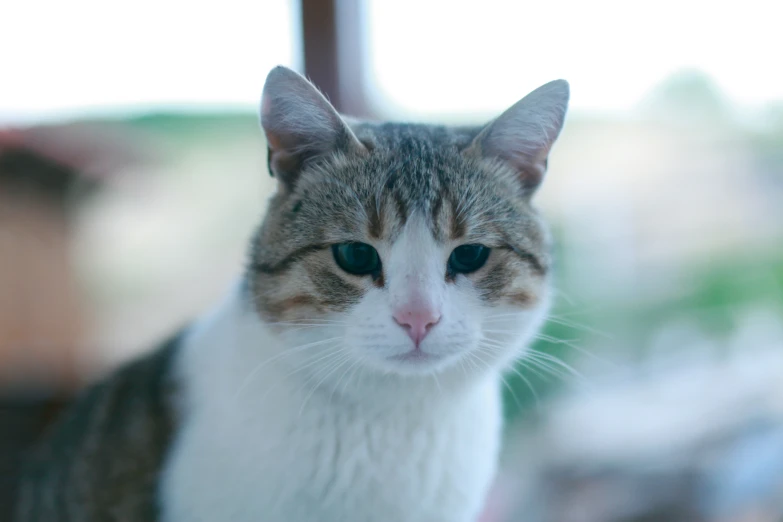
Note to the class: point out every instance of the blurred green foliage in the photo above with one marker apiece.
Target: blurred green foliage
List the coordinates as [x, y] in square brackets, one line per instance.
[716, 291]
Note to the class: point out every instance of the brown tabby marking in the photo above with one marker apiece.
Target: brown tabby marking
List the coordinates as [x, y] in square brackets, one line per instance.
[102, 460]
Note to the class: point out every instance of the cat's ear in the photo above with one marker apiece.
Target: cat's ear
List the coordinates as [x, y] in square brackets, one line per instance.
[300, 125]
[524, 134]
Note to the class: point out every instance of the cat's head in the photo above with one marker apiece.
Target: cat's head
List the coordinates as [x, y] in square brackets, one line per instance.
[408, 249]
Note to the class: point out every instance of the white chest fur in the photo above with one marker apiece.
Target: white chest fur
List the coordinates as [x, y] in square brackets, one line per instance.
[271, 451]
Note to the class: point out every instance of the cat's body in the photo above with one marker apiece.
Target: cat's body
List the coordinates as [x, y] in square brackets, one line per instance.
[388, 455]
[353, 374]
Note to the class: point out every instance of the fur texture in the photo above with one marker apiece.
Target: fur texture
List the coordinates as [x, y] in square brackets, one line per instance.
[305, 396]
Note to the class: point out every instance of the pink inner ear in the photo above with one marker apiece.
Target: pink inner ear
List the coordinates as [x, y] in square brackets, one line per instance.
[273, 141]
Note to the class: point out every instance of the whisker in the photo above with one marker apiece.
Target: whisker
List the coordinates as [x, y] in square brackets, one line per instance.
[331, 359]
[287, 332]
[337, 384]
[535, 354]
[336, 366]
[462, 365]
[501, 331]
[529, 385]
[576, 313]
[584, 351]
[541, 360]
[533, 369]
[500, 316]
[578, 326]
[568, 299]
[353, 372]
[493, 343]
[437, 382]
[334, 352]
[283, 353]
[308, 322]
[545, 367]
[486, 348]
[511, 388]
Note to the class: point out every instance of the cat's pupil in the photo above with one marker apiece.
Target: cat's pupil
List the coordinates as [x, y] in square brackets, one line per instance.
[468, 258]
[357, 258]
[358, 255]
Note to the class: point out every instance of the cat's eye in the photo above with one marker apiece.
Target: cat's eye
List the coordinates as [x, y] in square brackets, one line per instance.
[468, 258]
[357, 258]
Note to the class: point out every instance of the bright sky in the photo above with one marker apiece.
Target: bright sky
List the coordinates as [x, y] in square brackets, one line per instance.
[429, 57]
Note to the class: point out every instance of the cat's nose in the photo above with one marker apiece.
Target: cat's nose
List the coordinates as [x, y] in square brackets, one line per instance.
[417, 322]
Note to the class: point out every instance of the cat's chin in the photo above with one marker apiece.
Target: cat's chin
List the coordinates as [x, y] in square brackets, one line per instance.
[415, 356]
[418, 363]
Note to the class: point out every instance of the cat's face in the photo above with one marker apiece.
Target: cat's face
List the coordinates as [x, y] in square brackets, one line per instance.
[406, 249]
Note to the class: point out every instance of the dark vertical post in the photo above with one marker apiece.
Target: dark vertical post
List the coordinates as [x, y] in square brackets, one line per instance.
[333, 43]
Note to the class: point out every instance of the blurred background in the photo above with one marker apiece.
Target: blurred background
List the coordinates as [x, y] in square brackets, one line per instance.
[132, 171]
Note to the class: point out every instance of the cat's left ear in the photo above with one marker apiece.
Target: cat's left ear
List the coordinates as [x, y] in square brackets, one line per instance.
[301, 125]
[524, 134]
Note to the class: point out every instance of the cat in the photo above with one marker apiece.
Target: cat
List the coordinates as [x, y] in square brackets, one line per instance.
[353, 372]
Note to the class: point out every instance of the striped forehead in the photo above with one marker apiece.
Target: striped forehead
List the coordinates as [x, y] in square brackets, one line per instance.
[433, 212]
[416, 180]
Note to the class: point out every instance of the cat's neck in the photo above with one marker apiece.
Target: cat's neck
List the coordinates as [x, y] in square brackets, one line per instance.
[230, 356]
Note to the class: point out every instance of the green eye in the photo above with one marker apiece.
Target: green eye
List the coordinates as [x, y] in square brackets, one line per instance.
[468, 258]
[357, 258]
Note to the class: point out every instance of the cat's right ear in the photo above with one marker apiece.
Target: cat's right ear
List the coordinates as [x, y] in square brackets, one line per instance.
[300, 125]
[524, 134]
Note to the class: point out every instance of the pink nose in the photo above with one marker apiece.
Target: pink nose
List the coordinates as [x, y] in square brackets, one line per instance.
[417, 322]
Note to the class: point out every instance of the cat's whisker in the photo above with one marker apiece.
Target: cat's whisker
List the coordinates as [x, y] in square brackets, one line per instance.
[287, 352]
[360, 360]
[552, 340]
[437, 382]
[584, 310]
[559, 292]
[502, 316]
[323, 364]
[534, 370]
[535, 354]
[461, 362]
[545, 367]
[309, 328]
[492, 349]
[308, 322]
[511, 388]
[469, 360]
[571, 344]
[308, 362]
[332, 351]
[528, 384]
[346, 357]
[337, 348]
[505, 332]
[514, 394]
[493, 343]
[578, 326]
[343, 376]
